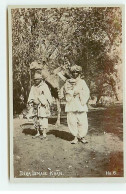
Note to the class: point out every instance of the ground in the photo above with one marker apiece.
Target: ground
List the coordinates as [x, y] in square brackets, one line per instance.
[102, 156]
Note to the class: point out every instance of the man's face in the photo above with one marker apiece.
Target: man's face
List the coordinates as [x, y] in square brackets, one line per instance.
[75, 74]
[37, 82]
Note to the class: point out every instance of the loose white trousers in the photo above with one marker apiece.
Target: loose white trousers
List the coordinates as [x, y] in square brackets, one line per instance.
[77, 123]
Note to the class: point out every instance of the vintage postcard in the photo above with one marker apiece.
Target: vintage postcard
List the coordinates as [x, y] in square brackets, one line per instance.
[66, 94]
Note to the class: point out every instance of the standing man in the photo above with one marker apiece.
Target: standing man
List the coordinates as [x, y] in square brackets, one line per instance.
[40, 100]
[77, 94]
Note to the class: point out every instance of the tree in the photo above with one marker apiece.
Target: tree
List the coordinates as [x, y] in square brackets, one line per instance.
[88, 36]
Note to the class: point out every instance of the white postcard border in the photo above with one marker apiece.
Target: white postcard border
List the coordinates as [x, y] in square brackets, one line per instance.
[62, 180]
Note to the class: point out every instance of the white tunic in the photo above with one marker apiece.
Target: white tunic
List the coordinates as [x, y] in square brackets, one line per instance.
[42, 96]
[76, 103]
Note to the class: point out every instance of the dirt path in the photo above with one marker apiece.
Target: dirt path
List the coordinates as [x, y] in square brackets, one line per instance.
[56, 157]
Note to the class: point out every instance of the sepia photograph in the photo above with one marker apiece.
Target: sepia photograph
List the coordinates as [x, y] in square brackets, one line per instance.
[66, 69]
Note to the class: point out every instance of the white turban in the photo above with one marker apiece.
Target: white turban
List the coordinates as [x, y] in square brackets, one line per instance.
[76, 68]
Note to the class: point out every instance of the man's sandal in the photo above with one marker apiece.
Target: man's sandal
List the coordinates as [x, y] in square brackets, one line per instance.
[37, 135]
[74, 141]
[83, 140]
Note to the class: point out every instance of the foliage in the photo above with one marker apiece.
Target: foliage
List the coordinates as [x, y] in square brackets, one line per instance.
[88, 36]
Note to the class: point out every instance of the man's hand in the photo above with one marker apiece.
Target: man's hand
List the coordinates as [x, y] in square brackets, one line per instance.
[76, 92]
[36, 102]
[30, 102]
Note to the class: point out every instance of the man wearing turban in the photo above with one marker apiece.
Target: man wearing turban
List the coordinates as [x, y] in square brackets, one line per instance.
[40, 99]
[77, 94]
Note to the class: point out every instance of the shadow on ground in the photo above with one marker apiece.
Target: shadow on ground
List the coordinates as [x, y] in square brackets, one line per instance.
[61, 134]
[28, 131]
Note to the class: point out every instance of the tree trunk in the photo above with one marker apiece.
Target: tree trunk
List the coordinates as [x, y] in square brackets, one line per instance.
[58, 112]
